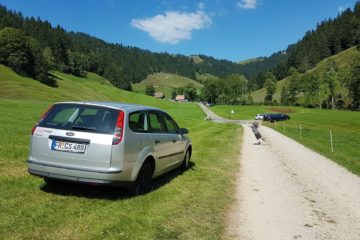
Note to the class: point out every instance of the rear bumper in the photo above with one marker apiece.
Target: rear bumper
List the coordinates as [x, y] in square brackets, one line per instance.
[111, 176]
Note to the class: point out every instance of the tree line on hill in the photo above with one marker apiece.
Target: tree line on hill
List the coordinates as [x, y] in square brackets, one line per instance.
[332, 87]
[330, 37]
[252, 70]
[232, 89]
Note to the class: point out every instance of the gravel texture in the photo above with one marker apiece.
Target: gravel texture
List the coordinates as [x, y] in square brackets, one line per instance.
[287, 191]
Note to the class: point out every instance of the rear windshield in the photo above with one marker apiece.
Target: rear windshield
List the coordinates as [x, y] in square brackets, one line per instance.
[79, 117]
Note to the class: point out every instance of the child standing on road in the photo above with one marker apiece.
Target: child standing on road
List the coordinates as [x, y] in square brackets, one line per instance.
[254, 128]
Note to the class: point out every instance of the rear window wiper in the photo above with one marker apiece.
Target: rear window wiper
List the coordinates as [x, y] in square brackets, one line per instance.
[83, 128]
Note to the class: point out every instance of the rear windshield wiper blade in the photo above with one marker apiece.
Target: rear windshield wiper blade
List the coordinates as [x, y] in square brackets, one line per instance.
[83, 128]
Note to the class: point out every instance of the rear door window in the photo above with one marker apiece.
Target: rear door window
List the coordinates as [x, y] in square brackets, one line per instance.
[80, 117]
[171, 125]
[157, 124]
[138, 122]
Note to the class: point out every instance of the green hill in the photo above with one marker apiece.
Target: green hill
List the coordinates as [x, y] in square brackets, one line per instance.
[343, 61]
[259, 95]
[251, 60]
[205, 76]
[196, 59]
[164, 82]
[69, 87]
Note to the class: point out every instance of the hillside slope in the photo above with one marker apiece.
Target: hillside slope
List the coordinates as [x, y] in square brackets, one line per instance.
[164, 82]
[69, 87]
[342, 60]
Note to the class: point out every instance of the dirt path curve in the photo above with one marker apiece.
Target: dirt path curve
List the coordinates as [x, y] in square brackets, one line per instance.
[216, 118]
[287, 191]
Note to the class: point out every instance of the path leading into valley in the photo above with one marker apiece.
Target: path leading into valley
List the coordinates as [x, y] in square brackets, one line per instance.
[287, 191]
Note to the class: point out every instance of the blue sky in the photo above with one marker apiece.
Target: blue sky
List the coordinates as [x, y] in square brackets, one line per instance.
[226, 29]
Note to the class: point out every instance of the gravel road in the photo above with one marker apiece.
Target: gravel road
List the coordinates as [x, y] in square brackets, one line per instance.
[287, 191]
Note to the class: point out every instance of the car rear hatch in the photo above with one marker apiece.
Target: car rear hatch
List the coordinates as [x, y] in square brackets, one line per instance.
[75, 136]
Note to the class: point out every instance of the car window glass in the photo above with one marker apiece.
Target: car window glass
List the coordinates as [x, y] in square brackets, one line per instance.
[81, 118]
[88, 118]
[64, 115]
[156, 123]
[138, 122]
[171, 125]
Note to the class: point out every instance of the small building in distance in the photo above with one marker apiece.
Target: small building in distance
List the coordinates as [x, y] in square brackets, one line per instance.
[180, 98]
[159, 95]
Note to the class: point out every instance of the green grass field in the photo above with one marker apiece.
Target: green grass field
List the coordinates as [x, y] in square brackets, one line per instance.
[240, 112]
[164, 82]
[183, 205]
[316, 125]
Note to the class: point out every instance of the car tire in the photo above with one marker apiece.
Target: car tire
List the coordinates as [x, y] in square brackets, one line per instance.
[186, 162]
[142, 184]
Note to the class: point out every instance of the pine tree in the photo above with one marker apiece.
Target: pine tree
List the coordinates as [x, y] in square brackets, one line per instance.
[270, 85]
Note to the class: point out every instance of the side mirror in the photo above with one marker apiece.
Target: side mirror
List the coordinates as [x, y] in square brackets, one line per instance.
[183, 131]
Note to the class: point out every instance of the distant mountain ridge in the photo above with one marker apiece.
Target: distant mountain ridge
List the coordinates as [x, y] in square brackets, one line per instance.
[78, 53]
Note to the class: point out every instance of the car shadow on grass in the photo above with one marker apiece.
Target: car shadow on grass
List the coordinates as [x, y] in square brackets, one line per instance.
[106, 192]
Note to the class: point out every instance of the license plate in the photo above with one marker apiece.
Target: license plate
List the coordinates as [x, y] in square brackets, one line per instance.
[68, 147]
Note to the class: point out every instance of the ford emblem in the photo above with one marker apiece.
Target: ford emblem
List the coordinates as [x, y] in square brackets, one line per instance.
[70, 134]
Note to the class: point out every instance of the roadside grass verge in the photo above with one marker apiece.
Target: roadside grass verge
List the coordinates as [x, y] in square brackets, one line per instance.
[316, 125]
[240, 112]
[183, 205]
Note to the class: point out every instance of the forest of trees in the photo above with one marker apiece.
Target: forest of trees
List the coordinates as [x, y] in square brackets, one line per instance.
[252, 70]
[330, 37]
[232, 89]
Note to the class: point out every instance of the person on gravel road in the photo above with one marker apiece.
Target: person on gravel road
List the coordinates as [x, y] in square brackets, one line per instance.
[254, 128]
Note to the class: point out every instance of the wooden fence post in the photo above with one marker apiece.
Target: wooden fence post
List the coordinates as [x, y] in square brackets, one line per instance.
[331, 142]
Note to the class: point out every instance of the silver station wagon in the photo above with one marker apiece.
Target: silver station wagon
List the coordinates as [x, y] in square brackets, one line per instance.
[107, 143]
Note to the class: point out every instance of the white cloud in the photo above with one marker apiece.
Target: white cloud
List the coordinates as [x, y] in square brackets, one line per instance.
[173, 27]
[201, 5]
[247, 4]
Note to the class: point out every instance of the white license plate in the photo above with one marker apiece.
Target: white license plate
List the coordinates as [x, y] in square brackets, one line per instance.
[68, 147]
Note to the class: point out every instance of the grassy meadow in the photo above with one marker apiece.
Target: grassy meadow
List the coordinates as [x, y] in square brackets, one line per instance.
[183, 205]
[316, 125]
[240, 112]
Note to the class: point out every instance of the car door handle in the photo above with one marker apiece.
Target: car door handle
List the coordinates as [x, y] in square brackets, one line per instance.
[157, 141]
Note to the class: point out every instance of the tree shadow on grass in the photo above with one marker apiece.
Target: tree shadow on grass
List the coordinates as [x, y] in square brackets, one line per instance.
[52, 80]
[106, 192]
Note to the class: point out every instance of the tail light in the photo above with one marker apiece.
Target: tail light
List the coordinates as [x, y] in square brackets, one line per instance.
[41, 118]
[118, 134]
